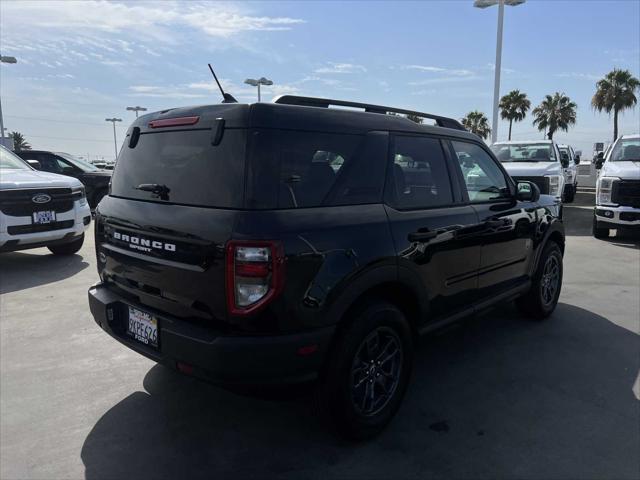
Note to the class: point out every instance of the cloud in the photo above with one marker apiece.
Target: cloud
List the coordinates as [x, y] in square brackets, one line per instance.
[432, 69]
[584, 76]
[333, 67]
[432, 81]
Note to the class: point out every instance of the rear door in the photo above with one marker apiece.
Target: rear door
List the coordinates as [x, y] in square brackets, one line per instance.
[434, 234]
[165, 246]
[507, 227]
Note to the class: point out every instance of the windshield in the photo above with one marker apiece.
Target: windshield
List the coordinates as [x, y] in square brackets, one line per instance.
[10, 161]
[81, 164]
[626, 150]
[524, 152]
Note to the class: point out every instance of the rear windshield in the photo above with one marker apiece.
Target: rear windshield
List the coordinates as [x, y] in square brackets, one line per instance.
[524, 152]
[193, 171]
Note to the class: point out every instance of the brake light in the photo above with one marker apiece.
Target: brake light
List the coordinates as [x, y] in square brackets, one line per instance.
[174, 122]
[254, 275]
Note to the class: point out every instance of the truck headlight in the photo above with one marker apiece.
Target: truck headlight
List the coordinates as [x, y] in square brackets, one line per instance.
[78, 193]
[604, 188]
[554, 184]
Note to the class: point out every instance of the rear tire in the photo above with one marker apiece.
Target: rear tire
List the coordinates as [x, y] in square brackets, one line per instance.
[599, 232]
[367, 371]
[570, 194]
[541, 300]
[67, 248]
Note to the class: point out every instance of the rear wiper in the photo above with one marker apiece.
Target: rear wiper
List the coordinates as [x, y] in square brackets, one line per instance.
[156, 188]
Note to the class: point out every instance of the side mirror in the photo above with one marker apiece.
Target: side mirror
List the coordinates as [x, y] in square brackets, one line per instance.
[527, 191]
[68, 171]
[577, 159]
[564, 159]
[35, 164]
[599, 160]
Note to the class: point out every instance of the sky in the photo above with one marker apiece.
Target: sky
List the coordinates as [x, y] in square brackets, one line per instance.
[82, 62]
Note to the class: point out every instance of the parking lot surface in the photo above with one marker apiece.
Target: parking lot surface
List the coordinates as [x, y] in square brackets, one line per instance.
[495, 397]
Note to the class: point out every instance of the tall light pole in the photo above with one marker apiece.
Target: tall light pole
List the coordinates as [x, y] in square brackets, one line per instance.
[4, 59]
[137, 109]
[496, 83]
[115, 142]
[257, 83]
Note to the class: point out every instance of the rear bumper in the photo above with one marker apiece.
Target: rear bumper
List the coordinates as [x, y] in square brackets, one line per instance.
[617, 217]
[251, 360]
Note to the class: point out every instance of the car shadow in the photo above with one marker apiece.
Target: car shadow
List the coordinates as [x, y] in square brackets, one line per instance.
[498, 396]
[21, 270]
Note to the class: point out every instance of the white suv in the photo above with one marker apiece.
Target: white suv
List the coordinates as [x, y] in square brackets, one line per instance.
[534, 161]
[40, 209]
[618, 188]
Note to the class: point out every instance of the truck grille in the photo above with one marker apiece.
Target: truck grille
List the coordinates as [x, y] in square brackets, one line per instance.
[541, 182]
[626, 193]
[22, 229]
[19, 203]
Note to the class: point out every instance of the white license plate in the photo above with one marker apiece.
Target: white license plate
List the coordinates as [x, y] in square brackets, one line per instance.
[143, 327]
[48, 216]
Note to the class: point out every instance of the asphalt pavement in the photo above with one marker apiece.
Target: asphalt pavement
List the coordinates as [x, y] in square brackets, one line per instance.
[495, 397]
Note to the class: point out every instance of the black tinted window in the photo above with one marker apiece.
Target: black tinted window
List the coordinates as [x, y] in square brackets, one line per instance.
[291, 169]
[196, 172]
[482, 176]
[419, 176]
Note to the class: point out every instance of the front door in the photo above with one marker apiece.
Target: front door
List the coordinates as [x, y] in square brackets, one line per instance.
[507, 225]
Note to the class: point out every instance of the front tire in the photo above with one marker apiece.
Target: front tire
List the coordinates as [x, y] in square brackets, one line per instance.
[67, 248]
[599, 232]
[541, 300]
[570, 194]
[368, 371]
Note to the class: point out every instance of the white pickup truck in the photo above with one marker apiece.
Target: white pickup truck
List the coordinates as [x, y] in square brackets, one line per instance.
[40, 209]
[618, 187]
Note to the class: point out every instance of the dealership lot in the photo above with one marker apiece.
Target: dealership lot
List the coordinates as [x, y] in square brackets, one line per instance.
[495, 396]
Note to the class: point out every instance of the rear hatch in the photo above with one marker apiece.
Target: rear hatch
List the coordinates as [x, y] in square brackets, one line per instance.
[175, 191]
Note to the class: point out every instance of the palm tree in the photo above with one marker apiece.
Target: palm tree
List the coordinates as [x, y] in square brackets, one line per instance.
[19, 142]
[513, 107]
[615, 92]
[554, 113]
[478, 123]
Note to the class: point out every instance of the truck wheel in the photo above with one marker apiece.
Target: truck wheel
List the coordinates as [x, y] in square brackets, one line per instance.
[599, 232]
[570, 194]
[67, 248]
[541, 300]
[367, 372]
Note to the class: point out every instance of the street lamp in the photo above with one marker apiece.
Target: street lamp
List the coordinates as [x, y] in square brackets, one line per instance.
[137, 109]
[496, 84]
[115, 142]
[4, 59]
[257, 83]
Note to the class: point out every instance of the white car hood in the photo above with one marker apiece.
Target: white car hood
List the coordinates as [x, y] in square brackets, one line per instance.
[625, 170]
[532, 169]
[12, 179]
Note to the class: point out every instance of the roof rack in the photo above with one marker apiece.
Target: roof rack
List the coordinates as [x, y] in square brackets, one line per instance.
[327, 102]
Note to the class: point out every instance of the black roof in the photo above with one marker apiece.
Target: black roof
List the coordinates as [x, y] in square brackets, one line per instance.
[302, 117]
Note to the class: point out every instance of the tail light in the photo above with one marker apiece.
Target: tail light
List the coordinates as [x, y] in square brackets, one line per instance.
[255, 275]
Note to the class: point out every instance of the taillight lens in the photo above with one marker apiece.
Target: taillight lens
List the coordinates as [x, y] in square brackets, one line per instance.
[255, 275]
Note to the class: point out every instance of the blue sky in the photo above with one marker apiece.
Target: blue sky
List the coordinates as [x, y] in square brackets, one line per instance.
[80, 62]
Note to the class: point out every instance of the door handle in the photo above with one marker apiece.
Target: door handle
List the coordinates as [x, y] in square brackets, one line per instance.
[422, 235]
[496, 223]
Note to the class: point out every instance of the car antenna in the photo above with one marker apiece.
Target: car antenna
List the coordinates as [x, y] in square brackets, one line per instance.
[227, 97]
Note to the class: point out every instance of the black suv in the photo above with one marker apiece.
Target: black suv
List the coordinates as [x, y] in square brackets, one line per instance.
[95, 180]
[290, 241]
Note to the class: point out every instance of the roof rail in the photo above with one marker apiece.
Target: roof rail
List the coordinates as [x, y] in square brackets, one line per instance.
[326, 102]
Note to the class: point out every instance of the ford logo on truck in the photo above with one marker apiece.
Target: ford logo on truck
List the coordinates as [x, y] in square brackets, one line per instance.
[143, 244]
[41, 198]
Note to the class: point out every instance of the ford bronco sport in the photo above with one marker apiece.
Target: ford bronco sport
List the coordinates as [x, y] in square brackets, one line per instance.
[290, 241]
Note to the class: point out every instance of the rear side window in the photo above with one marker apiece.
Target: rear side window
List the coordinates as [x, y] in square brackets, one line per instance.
[293, 169]
[194, 171]
[419, 177]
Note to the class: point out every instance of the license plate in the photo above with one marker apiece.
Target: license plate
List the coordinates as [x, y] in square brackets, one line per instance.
[143, 327]
[45, 217]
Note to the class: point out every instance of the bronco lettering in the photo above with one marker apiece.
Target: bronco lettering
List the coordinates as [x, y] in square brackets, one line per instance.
[144, 244]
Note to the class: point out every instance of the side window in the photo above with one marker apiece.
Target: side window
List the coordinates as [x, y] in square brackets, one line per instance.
[48, 163]
[482, 176]
[64, 166]
[419, 176]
